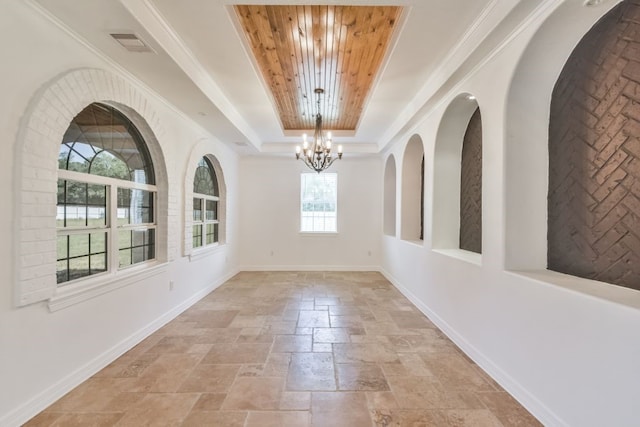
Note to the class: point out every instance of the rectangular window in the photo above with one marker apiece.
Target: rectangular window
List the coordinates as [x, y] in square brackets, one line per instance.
[319, 202]
[205, 220]
[88, 238]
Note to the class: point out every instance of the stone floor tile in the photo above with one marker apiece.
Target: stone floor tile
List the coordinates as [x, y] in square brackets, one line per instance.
[279, 419]
[238, 353]
[255, 393]
[361, 377]
[472, 417]
[217, 418]
[331, 335]
[292, 343]
[209, 402]
[210, 379]
[507, 409]
[160, 409]
[340, 410]
[313, 319]
[311, 371]
[295, 400]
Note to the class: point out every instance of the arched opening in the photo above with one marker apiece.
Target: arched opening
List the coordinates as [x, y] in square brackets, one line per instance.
[390, 197]
[412, 209]
[448, 171]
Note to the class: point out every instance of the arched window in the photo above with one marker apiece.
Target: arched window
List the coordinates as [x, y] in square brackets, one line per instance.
[106, 196]
[205, 205]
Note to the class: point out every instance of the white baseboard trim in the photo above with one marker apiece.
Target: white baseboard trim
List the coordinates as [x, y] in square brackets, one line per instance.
[522, 395]
[42, 400]
[309, 268]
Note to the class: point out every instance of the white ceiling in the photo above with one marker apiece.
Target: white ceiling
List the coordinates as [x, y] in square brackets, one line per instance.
[203, 67]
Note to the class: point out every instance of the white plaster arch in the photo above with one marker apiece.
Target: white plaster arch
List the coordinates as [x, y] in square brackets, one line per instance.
[43, 125]
[390, 196]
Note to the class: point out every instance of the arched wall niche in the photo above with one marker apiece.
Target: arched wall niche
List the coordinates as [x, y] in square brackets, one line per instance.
[447, 171]
[593, 230]
[471, 186]
[527, 112]
[412, 190]
[390, 196]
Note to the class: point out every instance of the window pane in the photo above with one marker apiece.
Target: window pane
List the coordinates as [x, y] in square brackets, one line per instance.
[212, 233]
[102, 141]
[81, 255]
[318, 202]
[78, 245]
[78, 267]
[205, 181]
[197, 209]
[81, 204]
[197, 236]
[135, 246]
[135, 206]
[212, 210]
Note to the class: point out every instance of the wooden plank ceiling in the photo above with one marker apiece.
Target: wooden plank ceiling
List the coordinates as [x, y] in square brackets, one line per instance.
[335, 48]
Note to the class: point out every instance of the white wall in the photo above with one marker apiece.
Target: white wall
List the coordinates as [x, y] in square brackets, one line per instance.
[566, 348]
[42, 353]
[270, 235]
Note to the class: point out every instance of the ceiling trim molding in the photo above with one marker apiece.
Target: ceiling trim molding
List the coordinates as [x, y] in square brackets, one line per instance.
[410, 125]
[157, 26]
[449, 65]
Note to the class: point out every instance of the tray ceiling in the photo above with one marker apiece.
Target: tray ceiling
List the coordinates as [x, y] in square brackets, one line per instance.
[336, 48]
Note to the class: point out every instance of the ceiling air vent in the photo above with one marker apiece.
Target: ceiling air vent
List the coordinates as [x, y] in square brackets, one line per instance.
[131, 42]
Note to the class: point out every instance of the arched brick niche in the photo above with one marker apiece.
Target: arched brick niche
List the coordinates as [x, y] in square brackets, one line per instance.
[390, 196]
[454, 222]
[594, 155]
[471, 186]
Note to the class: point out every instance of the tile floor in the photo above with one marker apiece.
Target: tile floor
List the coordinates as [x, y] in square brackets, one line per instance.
[292, 349]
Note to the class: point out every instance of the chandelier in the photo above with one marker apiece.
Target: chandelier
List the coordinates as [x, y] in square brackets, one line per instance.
[317, 155]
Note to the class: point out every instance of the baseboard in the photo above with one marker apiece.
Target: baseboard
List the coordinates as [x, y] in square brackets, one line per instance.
[309, 268]
[521, 394]
[45, 398]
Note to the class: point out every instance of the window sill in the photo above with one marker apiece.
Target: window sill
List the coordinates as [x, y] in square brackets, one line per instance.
[416, 242]
[462, 255]
[68, 295]
[318, 233]
[204, 252]
[591, 288]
